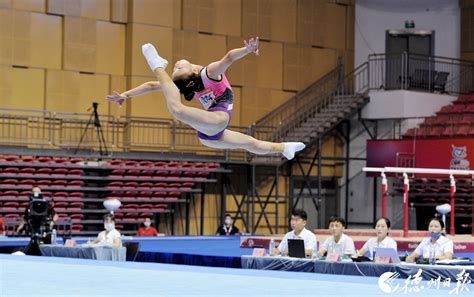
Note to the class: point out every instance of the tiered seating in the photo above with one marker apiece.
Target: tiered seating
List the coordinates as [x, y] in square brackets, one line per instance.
[144, 198]
[24, 172]
[454, 120]
[145, 188]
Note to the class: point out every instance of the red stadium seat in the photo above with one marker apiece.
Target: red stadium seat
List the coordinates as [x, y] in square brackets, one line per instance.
[76, 204]
[117, 172]
[76, 195]
[116, 163]
[131, 163]
[11, 170]
[130, 185]
[115, 184]
[10, 204]
[75, 184]
[44, 171]
[75, 172]
[145, 163]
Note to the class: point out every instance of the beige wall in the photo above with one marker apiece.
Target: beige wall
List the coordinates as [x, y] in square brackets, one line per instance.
[62, 55]
[300, 42]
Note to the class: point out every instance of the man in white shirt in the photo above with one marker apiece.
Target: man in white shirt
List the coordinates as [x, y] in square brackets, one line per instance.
[298, 223]
[338, 242]
[110, 236]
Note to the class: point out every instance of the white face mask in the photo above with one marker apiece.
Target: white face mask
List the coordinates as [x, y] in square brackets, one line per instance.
[147, 224]
[228, 221]
[109, 226]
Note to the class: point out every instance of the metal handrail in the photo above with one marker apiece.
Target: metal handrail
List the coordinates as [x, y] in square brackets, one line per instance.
[311, 100]
[382, 71]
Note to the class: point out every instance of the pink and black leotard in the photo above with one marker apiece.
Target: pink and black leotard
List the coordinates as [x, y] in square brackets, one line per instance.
[217, 95]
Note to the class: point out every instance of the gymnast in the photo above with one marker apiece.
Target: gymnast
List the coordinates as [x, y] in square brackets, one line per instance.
[210, 86]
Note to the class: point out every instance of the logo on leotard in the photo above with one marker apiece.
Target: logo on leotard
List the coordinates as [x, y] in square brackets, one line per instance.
[207, 98]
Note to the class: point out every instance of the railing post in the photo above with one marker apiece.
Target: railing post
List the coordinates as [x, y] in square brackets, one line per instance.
[452, 192]
[340, 75]
[406, 188]
[384, 194]
[403, 71]
[173, 135]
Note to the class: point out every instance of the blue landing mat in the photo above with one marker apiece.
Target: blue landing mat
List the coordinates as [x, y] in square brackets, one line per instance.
[42, 276]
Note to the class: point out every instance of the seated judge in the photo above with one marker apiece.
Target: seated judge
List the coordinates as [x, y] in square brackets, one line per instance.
[338, 242]
[228, 227]
[110, 236]
[298, 223]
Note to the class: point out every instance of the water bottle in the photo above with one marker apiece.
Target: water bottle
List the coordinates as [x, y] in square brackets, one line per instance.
[314, 254]
[54, 237]
[271, 247]
[432, 258]
[331, 247]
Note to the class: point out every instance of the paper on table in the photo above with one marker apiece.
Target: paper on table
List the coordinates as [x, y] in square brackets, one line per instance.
[451, 261]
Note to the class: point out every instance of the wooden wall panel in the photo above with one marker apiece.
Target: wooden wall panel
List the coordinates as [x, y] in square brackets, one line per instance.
[13, 92]
[119, 11]
[256, 102]
[263, 18]
[264, 70]
[72, 91]
[215, 16]
[149, 105]
[117, 83]
[93, 9]
[94, 46]
[137, 35]
[110, 54]
[166, 13]
[26, 5]
[30, 39]
[46, 40]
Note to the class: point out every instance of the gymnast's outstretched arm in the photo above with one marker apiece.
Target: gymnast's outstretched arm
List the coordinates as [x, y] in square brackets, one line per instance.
[145, 88]
[215, 69]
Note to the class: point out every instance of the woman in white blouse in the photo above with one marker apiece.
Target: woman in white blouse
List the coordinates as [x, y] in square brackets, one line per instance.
[441, 246]
[110, 236]
[382, 227]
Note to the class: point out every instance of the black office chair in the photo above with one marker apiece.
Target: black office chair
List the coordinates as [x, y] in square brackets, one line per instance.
[133, 248]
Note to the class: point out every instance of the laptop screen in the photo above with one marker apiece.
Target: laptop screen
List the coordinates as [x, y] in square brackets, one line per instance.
[389, 252]
[296, 248]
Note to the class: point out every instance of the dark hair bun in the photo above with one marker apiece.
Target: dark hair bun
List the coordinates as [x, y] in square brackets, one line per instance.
[189, 86]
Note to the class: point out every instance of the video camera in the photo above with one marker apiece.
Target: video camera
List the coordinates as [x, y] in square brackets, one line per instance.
[39, 216]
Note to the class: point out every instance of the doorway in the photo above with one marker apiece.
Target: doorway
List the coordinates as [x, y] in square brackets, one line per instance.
[408, 64]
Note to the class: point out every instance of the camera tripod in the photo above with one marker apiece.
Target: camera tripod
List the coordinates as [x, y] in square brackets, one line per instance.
[94, 119]
[33, 249]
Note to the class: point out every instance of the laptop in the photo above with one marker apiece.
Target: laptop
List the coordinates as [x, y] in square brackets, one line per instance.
[296, 248]
[388, 252]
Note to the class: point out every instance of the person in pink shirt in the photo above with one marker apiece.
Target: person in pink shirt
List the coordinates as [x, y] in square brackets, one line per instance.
[210, 86]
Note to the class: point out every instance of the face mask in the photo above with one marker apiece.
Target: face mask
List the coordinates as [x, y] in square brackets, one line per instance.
[147, 224]
[35, 194]
[435, 235]
[109, 226]
[228, 222]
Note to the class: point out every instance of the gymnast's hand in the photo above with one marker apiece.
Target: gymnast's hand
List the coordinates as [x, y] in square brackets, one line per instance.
[116, 98]
[252, 45]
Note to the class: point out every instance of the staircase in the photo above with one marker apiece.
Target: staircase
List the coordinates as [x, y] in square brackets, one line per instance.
[340, 108]
[314, 111]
